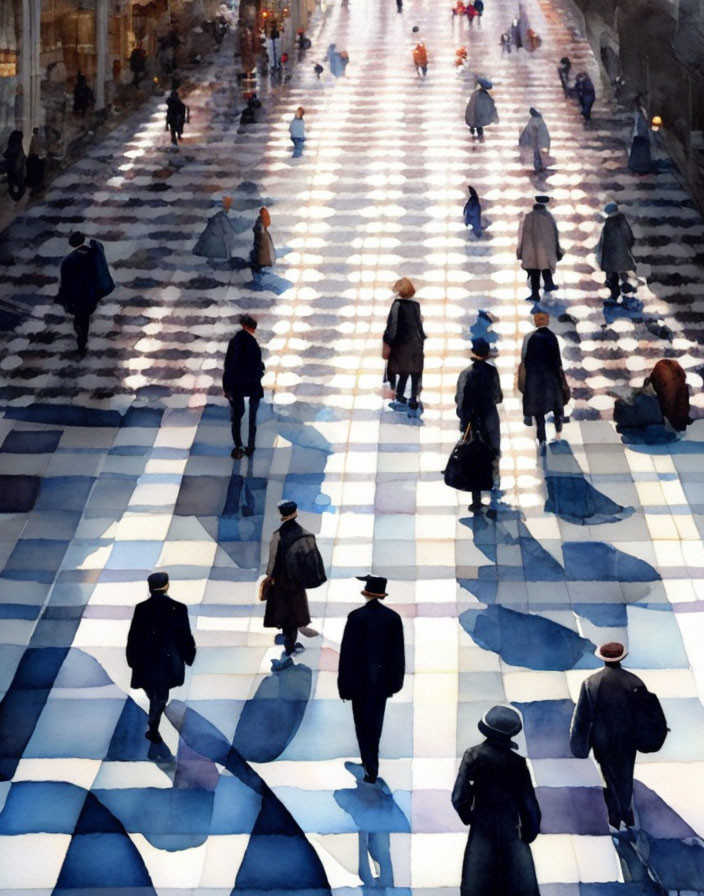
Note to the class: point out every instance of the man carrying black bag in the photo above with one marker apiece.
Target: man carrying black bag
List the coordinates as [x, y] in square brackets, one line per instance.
[85, 279]
[478, 393]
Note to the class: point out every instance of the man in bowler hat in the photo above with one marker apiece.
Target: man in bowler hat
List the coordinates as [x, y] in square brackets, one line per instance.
[371, 669]
[539, 247]
[159, 646]
[603, 720]
[242, 378]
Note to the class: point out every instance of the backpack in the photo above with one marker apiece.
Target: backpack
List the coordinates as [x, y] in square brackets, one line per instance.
[303, 562]
[104, 284]
[649, 723]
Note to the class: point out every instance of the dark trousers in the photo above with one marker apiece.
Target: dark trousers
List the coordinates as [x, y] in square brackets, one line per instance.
[157, 705]
[401, 385]
[479, 131]
[176, 133]
[534, 276]
[81, 322]
[540, 423]
[618, 793]
[368, 714]
[612, 281]
[290, 633]
[297, 147]
[236, 415]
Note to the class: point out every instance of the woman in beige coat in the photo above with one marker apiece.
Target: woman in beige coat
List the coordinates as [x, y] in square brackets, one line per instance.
[539, 247]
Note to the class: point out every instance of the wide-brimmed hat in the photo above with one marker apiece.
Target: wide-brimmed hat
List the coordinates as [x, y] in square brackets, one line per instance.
[485, 83]
[287, 508]
[480, 348]
[158, 581]
[611, 652]
[375, 585]
[404, 288]
[500, 721]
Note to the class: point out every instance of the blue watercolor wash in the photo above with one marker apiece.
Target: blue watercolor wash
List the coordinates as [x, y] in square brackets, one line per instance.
[484, 588]
[573, 810]
[657, 818]
[604, 615]
[170, 818]
[538, 564]
[20, 441]
[572, 497]
[78, 728]
[81, 670]
[128, 743]
[264, 281]
[19, 611]
[527, 640]
[546, 725]
[134, 555]
[49, 807]
[18, 494]
[146, 417]
[235, 807]
[372, 808]
[595, 561]
[305, 490]
[270, 720]
[655, 640]
[243, 514]
[64, 492]
[304, 436]
[64, 415]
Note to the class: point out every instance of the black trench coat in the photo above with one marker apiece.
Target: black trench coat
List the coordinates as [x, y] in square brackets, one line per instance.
[404, 334]
[543, 389]
[159, 644]
[494, 795]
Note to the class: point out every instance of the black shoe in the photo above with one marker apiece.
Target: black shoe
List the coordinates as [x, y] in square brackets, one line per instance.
[237, 453]
[369, 779]
[249, 450]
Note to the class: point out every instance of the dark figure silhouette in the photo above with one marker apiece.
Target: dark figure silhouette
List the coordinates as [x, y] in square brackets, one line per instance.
[15, 165]
[242, 379]
[542, 385]
[175, 116]
[585, 93]
[563, 71]
[82, 95]
[84, 280]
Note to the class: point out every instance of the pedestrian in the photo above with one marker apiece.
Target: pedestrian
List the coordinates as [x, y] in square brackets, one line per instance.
[175, 116]
[263, 254]
[159, 647]
[219, 237]
[479, 9]
[614, 250]
[481, 109]
[563, 71]
[604, 721]
[297, 130]
[534, 138]
[403, 346]
[15, 165]
[471, 13]
[459, 9]
[669, 381]
[399, 5]
[138, 64]
[84, 280]
[420, 59]
[82, 95]
[242, 378]
[472, 213]
[36, 160]
[541, 378]
[585, 93]
[639, 160]
[274, 36]
[539, 247]
[505, 42]
[515, 32]
[371, 668]
[249, 113]
[318, 69]
[292, 553]
[337, 61]
[494, 795]
[478, 393]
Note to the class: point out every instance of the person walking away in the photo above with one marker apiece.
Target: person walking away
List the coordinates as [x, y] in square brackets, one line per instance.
[534, 138]
[472, 13]
[297, 130]
[639, 160]
[472, 213]
[138, 64]
[614, 249]
[606, 720]
[478, 393]
[15, 165]
[242, 378]
[403, 346]
[494, 795]
[399, 5]
[159, 647]
[539, 247]
[585, 93]
[371, 668]
[82, 95]
[481, 109]
[669, 381]
[175, 116]
[36, 160]
[420, 59]
[84, 280]
[505, 41]
[263, 252]
[218, 239]
[294, 564]
[541, 378]
[563, 72]
[515, 31]
[479, 9]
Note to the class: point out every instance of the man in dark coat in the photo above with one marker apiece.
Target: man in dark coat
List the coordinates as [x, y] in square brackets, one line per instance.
[79, 290]
[585, 93]
[603, 720]
[614, 249]
[494, 795]
[478, 393]
[175, 116]
[159, 645]
[481, 109]
[541, 381]
[242, 378]
[371, 669]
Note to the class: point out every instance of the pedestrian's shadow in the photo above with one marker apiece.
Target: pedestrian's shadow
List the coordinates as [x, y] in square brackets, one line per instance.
[376, 815]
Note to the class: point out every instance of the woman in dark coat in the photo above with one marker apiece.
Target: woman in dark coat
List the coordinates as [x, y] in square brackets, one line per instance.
[639, 160]
[494, 795]
[403, 341]
[670, 383]
[543, 381]
[15, 165]
[473, 213]
[614, 249]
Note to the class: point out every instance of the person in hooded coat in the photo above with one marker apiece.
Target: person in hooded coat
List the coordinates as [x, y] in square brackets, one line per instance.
[541, 378]
[404, 338]
[159, 647]
[670, 383]
[263, 252]
[472, 213]
[539, 247]
[533, 138]
[218, 238]
[614, 249]
[639, 159]
[494, 795]
[481, 109]
[585, 93]
[15, 165]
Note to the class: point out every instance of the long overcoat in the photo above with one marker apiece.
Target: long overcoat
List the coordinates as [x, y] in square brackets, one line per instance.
[78, 283]
[478, 393]
[615, 244]
[263, 253]
[404, 335]
[218, 238]
[287, 604]
[543, 366]
[493, 793]
[244, 367]
[372, 659]
[538, 241]
[535, 135]
[481, 109]
[159, 644]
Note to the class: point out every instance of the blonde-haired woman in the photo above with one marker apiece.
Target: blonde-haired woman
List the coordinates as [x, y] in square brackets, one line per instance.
[403, 346]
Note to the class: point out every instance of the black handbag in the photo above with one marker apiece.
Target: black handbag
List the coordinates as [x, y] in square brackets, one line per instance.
[470, 466]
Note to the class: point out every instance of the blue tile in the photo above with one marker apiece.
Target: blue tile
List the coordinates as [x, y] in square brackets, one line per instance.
[49, 807]
[18, 494]
[134, 555]
[20, 441]
[79, 728]
[64, 492]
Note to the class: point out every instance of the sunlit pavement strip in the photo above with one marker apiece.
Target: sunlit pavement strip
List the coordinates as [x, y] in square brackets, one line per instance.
[94, 499]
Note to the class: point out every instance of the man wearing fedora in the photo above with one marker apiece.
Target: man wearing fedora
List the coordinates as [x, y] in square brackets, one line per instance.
[372, 667]
[539, 247]
[604, 721]
[494, 795]
[159, 646]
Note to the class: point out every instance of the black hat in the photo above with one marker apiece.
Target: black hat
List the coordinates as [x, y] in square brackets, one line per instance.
[376, 585]
[287, 508]
[158, 581]
[246, 320]
[76, 239]
[542, 199]
[500, 721]
[480, 348]
[534, 112]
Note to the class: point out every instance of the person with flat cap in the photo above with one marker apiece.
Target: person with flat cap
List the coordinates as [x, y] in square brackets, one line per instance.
[541, 378]
[604, 721]
[242, 378]
[539, 247]
[294, 564]
[371, 669]
[494, 795]
[159, 646]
